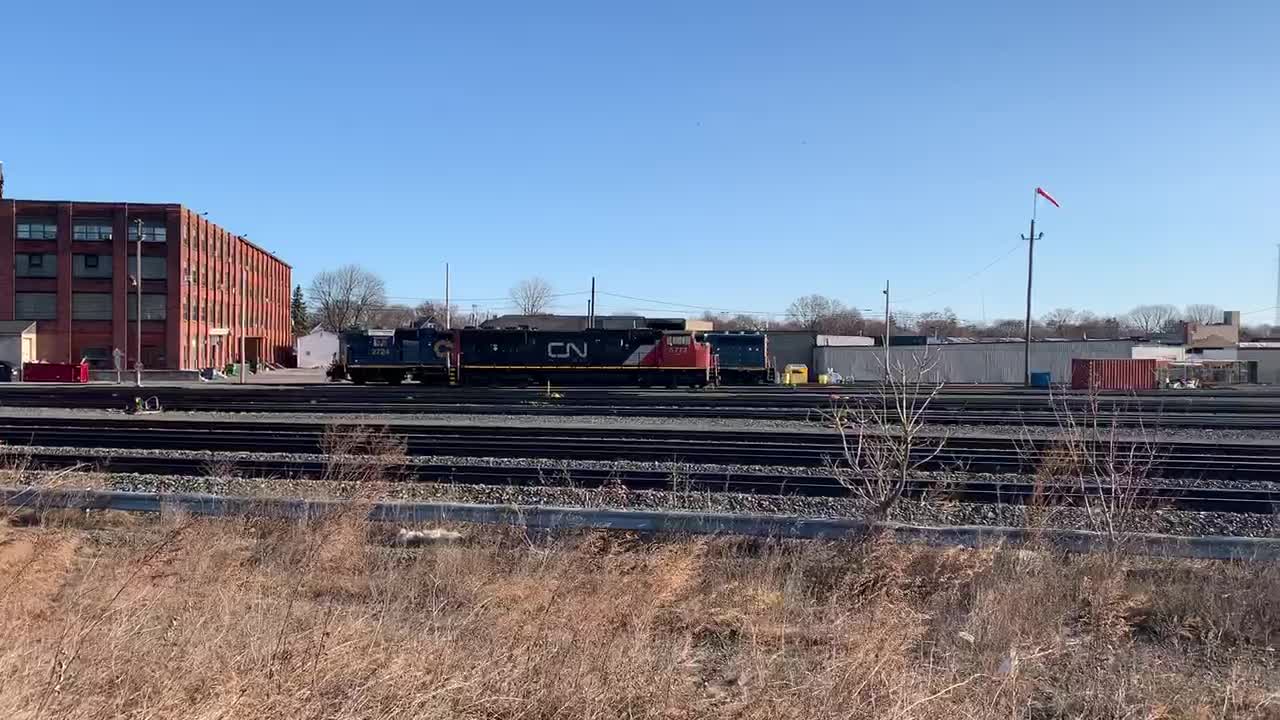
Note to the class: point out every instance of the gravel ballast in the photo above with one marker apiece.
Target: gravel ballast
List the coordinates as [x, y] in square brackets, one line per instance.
[1172, 522]
[1153, 433]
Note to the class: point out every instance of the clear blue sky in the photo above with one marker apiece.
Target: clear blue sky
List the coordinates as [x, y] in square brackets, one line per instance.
[729, 154]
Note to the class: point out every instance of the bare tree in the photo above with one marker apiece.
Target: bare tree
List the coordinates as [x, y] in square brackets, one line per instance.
[434, 313]
[1151, 319]
[1259, 332]
[810, 311]
[532, 296]
[1202, 313]
[344, 298]
[391, 316]
[1008, 328]
[883, 437]
[1060, 320]
[741, 321]
[938, 324]
[819, 313]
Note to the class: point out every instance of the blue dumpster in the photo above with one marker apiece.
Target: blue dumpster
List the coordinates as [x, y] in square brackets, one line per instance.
[1040, 379]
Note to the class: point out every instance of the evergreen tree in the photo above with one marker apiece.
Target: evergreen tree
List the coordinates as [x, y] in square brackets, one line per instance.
[298, 309]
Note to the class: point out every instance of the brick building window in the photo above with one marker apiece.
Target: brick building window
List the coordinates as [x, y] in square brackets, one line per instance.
[152, 231]
[91, 230]
[29, 229]
[91, 266]
[36, 265]
[153, 306]
[154, 268]
[35, 306]
[90, 306]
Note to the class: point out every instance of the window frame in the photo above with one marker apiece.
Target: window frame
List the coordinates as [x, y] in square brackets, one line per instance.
[152, 231]
[17, 306]
[110, 313]
[46, 227]
[97, 225]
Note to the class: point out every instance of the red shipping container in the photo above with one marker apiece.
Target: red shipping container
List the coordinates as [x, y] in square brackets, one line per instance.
[1113, 374]
[55, 372]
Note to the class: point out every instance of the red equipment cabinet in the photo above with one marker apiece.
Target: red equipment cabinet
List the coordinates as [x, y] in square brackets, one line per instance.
[55, 372]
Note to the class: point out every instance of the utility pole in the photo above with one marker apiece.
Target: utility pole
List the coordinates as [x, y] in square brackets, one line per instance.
[244, 309]
[1277, 323]
[591, 315]
[137, 358]
[1031, 253]
[448, 320]
[886, 331]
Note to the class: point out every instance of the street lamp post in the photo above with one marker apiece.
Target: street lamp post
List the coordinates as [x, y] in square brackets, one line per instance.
[137, 358]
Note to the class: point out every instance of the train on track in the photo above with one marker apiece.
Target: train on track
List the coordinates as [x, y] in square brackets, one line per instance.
[478, 356]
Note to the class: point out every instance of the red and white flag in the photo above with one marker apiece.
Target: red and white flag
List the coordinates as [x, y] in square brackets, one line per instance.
[1047, 196]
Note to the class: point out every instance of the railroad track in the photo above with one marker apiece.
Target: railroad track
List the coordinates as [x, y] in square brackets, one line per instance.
[955, 406]
[1146, 496]
[1195, 461]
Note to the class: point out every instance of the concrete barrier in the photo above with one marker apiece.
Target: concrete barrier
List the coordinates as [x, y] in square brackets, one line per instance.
[672, 521]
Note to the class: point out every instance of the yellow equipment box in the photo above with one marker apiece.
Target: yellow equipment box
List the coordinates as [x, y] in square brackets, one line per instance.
[795, 375]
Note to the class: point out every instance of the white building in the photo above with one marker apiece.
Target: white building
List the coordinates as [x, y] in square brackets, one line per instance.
[317, 350]
[17, 343]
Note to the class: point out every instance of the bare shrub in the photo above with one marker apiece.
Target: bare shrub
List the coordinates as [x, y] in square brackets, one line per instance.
[362, 456]
[883, 437]
[1107, 464]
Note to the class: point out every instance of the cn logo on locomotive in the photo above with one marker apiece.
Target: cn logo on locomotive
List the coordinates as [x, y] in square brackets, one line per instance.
[566, 349]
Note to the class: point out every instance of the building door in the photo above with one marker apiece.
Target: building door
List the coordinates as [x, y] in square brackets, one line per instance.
[152, 357]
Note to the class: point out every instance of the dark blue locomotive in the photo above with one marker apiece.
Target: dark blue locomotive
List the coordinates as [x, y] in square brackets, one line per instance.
[742, 358]
[392, 356]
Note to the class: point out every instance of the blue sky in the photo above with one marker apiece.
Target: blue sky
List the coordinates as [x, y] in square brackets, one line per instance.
[725, 154]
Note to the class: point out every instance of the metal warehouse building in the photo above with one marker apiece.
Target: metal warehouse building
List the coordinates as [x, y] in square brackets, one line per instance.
[70, 266]
[978, 362]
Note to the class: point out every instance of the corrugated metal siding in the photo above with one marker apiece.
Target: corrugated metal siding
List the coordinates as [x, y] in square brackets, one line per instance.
[844, 341]
[969, 362]
[35, 306]
[790, 347]
[90, 306]
[1113, 374]
[1159, 352]
[1268, 360]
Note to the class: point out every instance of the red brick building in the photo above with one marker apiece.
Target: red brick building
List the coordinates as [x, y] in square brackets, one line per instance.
[70, 267]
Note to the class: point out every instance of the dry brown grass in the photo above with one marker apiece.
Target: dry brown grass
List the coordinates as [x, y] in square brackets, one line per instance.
[183, 618]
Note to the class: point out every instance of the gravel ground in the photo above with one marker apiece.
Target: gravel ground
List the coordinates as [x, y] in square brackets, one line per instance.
[1206, 435]
[562, 468]
[922, 513]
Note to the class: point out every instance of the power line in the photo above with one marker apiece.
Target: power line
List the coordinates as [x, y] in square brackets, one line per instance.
[1261, 310]
[965, 279]
[503, 299]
